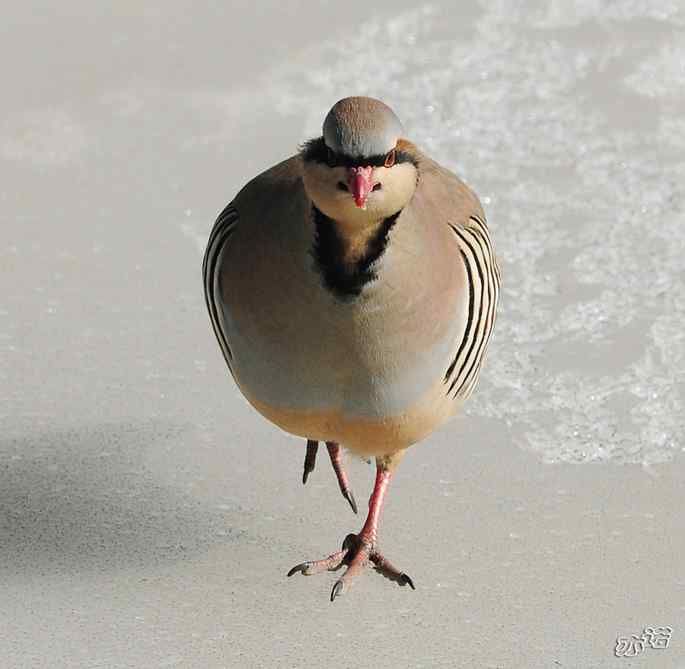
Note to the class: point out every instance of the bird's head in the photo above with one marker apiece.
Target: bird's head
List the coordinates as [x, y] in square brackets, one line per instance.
[360, 169]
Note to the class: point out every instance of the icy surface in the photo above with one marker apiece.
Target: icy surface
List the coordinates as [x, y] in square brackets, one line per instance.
[148, 515]
[577, 154]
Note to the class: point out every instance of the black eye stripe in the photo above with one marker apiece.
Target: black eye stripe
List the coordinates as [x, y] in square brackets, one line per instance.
[315, 150]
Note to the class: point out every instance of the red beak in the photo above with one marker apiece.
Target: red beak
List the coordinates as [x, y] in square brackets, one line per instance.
[360, 183]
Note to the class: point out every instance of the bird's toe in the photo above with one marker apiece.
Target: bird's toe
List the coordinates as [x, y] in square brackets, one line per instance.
[349, 496]
[405, 579]
[338, 589]
[302, 568]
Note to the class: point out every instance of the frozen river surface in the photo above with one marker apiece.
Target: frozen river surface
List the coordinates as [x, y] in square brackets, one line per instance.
[147, 514]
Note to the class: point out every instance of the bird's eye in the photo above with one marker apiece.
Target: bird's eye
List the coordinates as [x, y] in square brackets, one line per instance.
[390, 159]
[330, 157]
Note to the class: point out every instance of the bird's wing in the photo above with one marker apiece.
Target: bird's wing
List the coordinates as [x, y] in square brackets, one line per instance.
[247, 253]
[460, 209]
[221, 232]
[482, 270]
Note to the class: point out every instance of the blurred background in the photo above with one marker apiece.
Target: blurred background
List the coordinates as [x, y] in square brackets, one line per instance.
[148, 515]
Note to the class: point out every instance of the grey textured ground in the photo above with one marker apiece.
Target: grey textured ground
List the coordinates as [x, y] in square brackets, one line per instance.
[148, 515]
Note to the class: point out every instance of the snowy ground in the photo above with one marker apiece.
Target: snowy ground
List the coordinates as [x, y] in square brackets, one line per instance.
[148, 515]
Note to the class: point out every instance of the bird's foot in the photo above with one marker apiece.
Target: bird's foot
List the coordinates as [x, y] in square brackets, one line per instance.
[335, 454]
[356, 553]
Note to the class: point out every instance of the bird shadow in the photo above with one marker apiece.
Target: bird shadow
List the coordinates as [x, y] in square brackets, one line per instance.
[82, 499]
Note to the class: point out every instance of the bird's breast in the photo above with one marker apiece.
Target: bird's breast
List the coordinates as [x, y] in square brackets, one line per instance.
[298, 347]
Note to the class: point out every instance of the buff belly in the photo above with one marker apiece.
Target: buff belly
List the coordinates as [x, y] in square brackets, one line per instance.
[364, 435]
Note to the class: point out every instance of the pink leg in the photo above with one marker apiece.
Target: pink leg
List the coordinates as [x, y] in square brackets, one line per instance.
[360, 549]
[335, 453]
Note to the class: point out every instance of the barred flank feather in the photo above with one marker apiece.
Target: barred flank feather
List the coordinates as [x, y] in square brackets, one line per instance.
[484, 283]
[221, 232]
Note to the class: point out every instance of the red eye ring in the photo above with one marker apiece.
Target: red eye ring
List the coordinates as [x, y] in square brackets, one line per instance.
[390, 159]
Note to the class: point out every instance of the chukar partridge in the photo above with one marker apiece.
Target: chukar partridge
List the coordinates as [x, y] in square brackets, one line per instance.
[353, 291]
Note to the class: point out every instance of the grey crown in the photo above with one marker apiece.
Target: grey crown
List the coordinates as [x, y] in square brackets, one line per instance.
[361, 127]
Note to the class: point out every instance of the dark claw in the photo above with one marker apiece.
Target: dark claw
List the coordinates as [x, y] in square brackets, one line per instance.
[347, 494]
[309, 459]
[337, 590]
[301, 568]
[405, 579]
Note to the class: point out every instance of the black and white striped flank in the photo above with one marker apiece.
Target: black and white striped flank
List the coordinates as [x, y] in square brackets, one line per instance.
[223, 228]
[483, 275]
